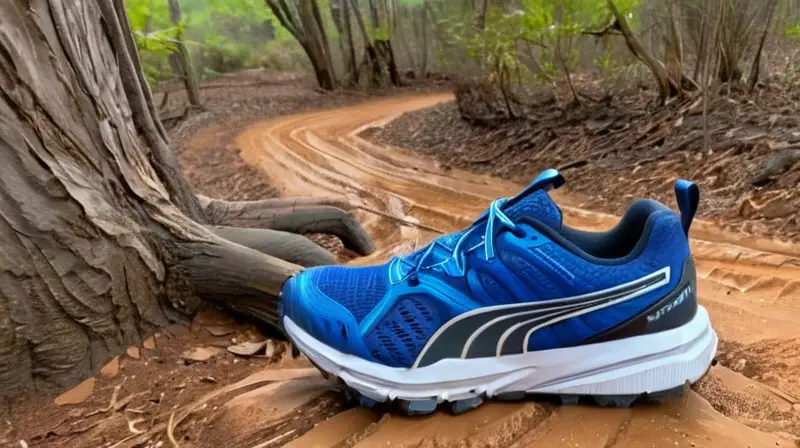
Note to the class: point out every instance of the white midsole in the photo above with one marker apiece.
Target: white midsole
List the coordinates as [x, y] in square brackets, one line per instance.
[648, 363]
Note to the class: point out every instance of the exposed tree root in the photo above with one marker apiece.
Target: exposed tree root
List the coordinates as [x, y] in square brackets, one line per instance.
[293, 248]
[776, 165]
[295, 215]
[215, 209]
[234, 276]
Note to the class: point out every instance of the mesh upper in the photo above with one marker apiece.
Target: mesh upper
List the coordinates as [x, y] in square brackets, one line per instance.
[357, 289]
[537, 205]
[496, 292]
[531, 276]
[402, 334]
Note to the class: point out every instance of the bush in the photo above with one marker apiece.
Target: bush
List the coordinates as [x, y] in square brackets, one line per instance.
[286, 56]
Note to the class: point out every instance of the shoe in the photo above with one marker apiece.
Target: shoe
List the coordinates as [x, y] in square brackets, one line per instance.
[516, 304]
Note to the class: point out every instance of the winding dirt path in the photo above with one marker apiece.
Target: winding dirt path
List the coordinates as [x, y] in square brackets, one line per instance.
[751, 287]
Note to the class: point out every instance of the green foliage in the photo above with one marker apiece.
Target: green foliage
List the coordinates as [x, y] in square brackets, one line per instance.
[283, 56]
[792, 31]
[222, 35]
[536, 39]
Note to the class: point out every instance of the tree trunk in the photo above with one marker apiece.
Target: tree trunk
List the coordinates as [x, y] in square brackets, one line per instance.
[701, 46]
[405, 41]
[303, 21]
[386, 52]
[318, 25]
[317, 45]
[383, 49]
[755, 68]
[371, 54]
[481, 6]
[351, 53]
[666, 86]
[340, 12]
[674, 42]
[424, 47]
[101, 238]
[184, 62]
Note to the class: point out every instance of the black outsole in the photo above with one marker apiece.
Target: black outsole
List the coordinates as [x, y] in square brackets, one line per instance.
[425, 406]
[431, 405]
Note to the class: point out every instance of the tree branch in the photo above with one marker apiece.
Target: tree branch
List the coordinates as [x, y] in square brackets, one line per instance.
[284, 15]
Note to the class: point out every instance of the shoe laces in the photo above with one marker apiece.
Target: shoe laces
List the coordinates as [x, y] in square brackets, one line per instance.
[495, 221]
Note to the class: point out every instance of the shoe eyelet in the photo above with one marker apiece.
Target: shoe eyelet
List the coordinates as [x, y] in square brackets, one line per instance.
[519, 232]
[413, 282]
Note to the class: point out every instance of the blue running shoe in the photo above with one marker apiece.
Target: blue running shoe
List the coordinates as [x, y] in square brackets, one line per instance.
[516, 304]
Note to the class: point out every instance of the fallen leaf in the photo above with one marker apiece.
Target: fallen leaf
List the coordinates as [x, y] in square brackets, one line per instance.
[111, 369]
[77, 394]
[133, 352]
[218, 331]
[199, 354]
[248, 348]
[149, 343]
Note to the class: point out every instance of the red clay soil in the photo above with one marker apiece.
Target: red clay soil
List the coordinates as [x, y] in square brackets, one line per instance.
[202, 139]
[622, 148]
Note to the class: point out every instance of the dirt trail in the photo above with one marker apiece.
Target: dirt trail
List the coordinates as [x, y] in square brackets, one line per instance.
[750, 286]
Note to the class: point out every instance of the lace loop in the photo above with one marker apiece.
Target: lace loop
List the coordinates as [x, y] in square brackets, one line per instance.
[495, 221]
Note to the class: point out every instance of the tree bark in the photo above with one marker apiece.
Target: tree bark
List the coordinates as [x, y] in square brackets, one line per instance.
[383, 50]
[340, 11]
[372, 58]
[674, 42]
[101, 239]
[184, 61]
[287, 246]
[304, 218]
[318, 25]
[700, 47]
[424, 47]
[355, 73]
[755, 68]
[302, 19]
[667, 87]
[481, 6]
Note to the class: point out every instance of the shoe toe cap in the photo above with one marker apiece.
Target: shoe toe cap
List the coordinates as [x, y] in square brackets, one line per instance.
[325, 319]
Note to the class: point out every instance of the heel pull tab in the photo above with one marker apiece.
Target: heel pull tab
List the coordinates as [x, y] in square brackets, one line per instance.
[688, 195]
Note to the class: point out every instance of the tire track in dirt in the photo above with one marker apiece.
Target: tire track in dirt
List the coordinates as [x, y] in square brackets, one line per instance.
[750, 286]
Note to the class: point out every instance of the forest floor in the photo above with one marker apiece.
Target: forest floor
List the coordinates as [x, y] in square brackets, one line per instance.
[621, 148]
[184, 387]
